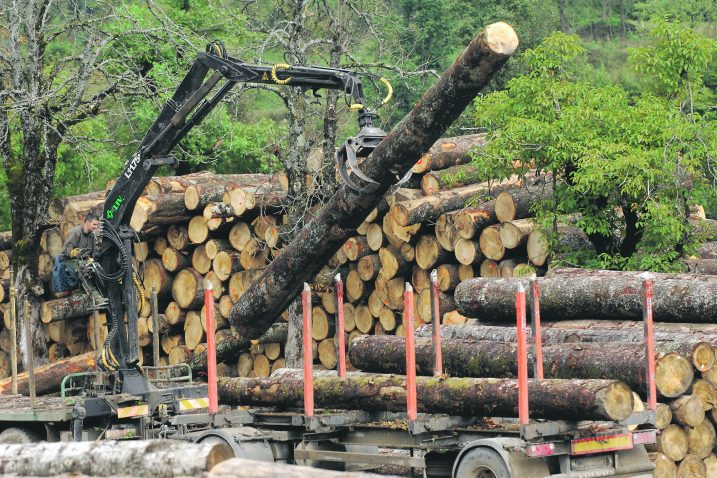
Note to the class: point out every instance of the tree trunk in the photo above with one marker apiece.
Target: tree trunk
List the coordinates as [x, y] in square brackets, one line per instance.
[230, 349]
[76, 305]
[474, 358]
[245, 468]
[556, 333]
[48, 377]
[320, 239]
[702, 266]
[143, 458]
[5, 240]
[598, 296]
[428, 208]
[470, 222]
[454, 177]
[212, 188]
[550, 399]
[569, 238]
[163, 209]
[447, 152]
[516, 203]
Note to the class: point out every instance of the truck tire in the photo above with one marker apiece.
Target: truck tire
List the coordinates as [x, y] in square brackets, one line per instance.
[482, 462]
[18, 435]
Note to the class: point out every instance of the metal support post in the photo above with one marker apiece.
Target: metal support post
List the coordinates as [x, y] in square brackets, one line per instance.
[13, 332]
[308, 355]
[155, 327]
[436, 325]
[523, 417]
[408, 324]
[649, 343]
[211, 347]
[340, 338]
[537, 342]
[30, 354]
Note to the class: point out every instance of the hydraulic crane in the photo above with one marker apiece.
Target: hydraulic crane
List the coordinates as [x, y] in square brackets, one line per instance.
[111, 272]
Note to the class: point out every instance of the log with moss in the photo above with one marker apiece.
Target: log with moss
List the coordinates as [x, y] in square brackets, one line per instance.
[598, 295]
[484, 358]
[272, 292]
[480, 397]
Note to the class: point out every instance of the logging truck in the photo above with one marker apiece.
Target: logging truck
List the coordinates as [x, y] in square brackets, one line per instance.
[123, 401]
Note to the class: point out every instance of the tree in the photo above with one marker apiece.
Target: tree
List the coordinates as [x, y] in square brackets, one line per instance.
[629, 166]
[61, 65]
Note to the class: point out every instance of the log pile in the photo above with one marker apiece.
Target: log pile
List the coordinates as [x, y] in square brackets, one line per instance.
[196, 229]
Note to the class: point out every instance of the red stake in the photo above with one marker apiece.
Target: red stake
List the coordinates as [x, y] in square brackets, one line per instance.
[522, 356]
[308, 355]
[341, 342]
[408, 318]
[211, 348]
[649, 343]
[436, 325]
[537, 336]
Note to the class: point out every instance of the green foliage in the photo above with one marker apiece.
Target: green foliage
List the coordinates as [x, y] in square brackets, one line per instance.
[628, 165]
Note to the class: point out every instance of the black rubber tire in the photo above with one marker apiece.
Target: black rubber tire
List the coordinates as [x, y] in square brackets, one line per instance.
[482, 462]
[15, 435]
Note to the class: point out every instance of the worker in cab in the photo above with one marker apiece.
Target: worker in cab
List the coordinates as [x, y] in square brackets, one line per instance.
[78, 247]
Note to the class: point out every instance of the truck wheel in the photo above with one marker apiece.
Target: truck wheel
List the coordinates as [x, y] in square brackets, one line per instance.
[18, 435]
[482, 462]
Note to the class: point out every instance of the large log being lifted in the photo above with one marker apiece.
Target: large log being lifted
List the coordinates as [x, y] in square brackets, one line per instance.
[141, 458]
[485, 358]
[480, 397]
[75, 305]
[281, 281]
[597, 296]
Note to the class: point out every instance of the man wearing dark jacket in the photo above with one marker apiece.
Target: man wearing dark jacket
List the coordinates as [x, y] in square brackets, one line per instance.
[79, 244]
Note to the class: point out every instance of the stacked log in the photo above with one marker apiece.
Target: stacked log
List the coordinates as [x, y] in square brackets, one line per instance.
[184, 248]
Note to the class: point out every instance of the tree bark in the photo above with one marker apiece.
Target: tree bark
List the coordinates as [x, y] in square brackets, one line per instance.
[48, 377]
[230, 349]
[702, 266]
[428, 208]
[454, 177]
[335, 222]
[598, 296]
[76, 305]
[516, 203]
[245, 468]
[143, 458]
[447, 152]
[163, 209]
[558, 334]
[476, 358]
[5, 240]
[550, 399]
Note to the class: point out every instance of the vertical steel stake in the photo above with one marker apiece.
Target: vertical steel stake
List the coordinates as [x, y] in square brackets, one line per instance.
[523, 416]
[408, 324]
[649, 343]
[308, 355]
[155, 327]
[436, 325]
[340, 338]
[211, 347]
[13, 331]
[30, 354]
[537, 342]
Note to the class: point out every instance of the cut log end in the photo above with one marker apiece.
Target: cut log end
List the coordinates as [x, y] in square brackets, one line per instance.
[616, 401]
[673, 375]
[501, 38]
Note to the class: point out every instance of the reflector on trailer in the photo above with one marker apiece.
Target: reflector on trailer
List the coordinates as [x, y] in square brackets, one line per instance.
[540, 449]
[601, 444]
[644, 437]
